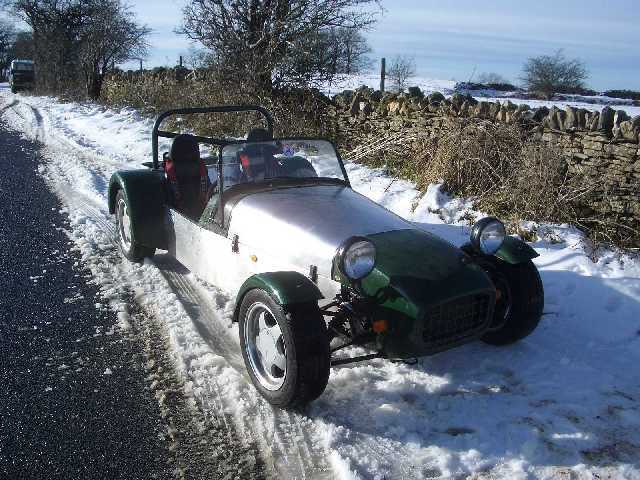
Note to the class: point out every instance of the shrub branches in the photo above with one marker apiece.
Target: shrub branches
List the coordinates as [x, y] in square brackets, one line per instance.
[270, 44]
[549, 74]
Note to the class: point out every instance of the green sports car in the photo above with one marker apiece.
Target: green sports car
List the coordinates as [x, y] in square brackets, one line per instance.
[314, 266]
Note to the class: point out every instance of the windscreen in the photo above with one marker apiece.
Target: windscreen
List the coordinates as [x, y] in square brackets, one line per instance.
[279, 159]
[22, 66]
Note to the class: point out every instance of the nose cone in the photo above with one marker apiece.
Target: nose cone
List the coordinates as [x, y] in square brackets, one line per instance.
[417, 254]
[418, 275]
[422, 268]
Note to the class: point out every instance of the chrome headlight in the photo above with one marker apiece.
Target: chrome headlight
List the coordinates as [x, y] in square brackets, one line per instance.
[487, 235]
[356, 258]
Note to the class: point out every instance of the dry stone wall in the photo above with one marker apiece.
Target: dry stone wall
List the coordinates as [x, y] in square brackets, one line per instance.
[602, 146]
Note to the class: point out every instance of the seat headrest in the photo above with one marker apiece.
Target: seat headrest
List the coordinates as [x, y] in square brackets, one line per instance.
[185, 149]
[259, 135]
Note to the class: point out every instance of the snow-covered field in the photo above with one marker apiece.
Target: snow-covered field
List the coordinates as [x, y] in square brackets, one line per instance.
[564, 403]
[446, 87]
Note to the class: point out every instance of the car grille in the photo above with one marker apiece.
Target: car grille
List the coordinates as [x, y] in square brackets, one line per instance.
[453, 321]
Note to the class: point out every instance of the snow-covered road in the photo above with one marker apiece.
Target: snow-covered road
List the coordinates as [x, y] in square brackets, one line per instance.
[564, 403]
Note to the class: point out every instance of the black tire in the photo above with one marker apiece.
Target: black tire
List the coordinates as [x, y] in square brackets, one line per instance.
[14, 89]
[523, 286]
[131, 249]
[306, 350]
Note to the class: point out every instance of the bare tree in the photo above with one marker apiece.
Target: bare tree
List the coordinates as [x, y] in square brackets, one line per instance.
[77, 41]
[489, 78]
[346, 51]
[548, 74]
[402, 69]
[266, 43]
[7, 38]
[199, 58]
[55, 25]
[110, 35]
[22, 46]
[323, 56]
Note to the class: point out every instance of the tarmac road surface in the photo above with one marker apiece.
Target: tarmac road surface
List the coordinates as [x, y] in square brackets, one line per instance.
[75, 400]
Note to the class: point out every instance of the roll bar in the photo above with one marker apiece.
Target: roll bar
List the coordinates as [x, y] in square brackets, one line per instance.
[215, 109]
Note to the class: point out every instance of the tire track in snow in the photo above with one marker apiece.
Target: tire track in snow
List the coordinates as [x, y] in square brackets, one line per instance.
[36, 122]
[204, 446]
[40, 132]
[286, 443]
[203, 442]
[196, 449]
[294, 449]
[296, 453]
[8, 106]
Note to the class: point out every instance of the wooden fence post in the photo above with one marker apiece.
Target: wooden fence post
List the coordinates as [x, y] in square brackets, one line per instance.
[382, 74]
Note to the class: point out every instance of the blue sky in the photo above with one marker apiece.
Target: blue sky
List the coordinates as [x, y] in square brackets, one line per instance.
[451, 39]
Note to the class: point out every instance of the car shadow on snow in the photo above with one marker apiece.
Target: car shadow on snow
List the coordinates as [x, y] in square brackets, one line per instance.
[566, 395]
[205, 313]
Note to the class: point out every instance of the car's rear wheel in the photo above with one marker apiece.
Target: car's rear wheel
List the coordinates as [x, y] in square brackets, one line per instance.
[285, 350]
[131, 249]
[520, 301]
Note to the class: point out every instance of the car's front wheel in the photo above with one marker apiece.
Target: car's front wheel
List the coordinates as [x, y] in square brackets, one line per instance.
[131, 249]
[285, 350]
[519, 303]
